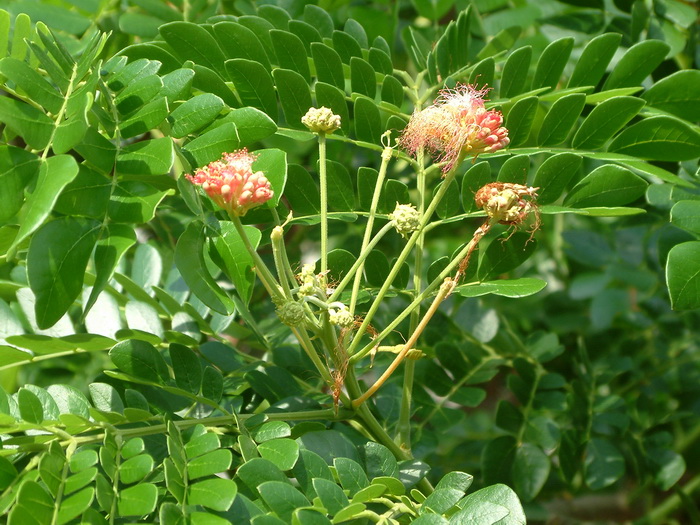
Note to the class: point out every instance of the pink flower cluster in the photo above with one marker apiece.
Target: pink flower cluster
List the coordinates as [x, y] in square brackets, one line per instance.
[231, 183]
[457, 123]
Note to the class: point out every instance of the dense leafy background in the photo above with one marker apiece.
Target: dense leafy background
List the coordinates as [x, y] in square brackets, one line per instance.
[138, 361]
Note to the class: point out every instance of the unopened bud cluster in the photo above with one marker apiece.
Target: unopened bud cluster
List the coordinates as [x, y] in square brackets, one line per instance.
[321, 120]
[405, 218]
[311, 284]
[291, 313]
[232, 184]
[506, 202]
[339, 315]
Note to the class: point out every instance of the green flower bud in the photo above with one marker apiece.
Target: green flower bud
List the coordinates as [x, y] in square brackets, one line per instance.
[291, 313]
[307, 280]
[321, 120]
[406, 218]
[341, 317]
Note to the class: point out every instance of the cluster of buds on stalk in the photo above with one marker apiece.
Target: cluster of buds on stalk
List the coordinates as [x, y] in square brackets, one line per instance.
[310, 283]
[321, 120]
[456, 125]
[339, 315]
[405, 218]
[232, 184]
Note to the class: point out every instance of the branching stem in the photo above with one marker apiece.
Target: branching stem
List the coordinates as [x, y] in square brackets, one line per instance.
[445, 290]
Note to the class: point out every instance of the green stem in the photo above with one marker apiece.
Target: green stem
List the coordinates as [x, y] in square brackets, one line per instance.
[404, 422]
[279, 254]
[386, 157]
[360, 260]
[659, 512]
[377, 430]
[59, 494]
[445, 290]
[402, 258]
[324, 414]
[324, 200]
[308, 346]
[420, 298]
[62, 111]
[688, 439]
[115, 483]
[266, 277]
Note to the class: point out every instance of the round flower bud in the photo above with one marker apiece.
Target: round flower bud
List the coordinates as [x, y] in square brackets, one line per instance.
[291, 313]
[340, 317]
[405, 218]
[321, 120]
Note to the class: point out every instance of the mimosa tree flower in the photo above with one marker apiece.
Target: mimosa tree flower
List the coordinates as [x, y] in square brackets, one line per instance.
[457, 123]
[232, 184]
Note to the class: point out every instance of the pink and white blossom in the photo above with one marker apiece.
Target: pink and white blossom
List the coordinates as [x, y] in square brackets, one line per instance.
[457, 123]
[232, 184]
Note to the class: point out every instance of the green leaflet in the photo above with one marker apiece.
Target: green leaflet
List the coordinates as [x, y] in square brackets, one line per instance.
[515, 72]
[149, 157]
[552, 62]
[678, 94]
[290, 52]
[560, 119]
[329, 67]
[639, 61]
[194, 114]
[27, 121]
[189, 258]
[606, 119]
[519, 120]
[193, 42]
[554, 175]
[253, 84]
[608, 185]
[237, 41]
[368, 123]
[294, 95]
[362, 77]
[56, 262]
[683, 275]
[659, 138]
[595, 58]
[234, 259]
[17, 168]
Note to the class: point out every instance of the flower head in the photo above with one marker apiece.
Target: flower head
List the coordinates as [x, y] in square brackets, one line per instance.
[406, 218]
[232, 184]
[457, 123]
[321, 120]
[507, 202]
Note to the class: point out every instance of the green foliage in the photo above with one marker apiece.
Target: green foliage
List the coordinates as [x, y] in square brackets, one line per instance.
[144, 374]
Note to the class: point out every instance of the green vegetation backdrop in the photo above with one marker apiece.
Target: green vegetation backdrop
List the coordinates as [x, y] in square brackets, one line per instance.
[145, 373]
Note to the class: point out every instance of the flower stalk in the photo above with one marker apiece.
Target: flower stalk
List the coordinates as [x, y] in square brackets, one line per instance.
[386, 157]
[445, 290]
